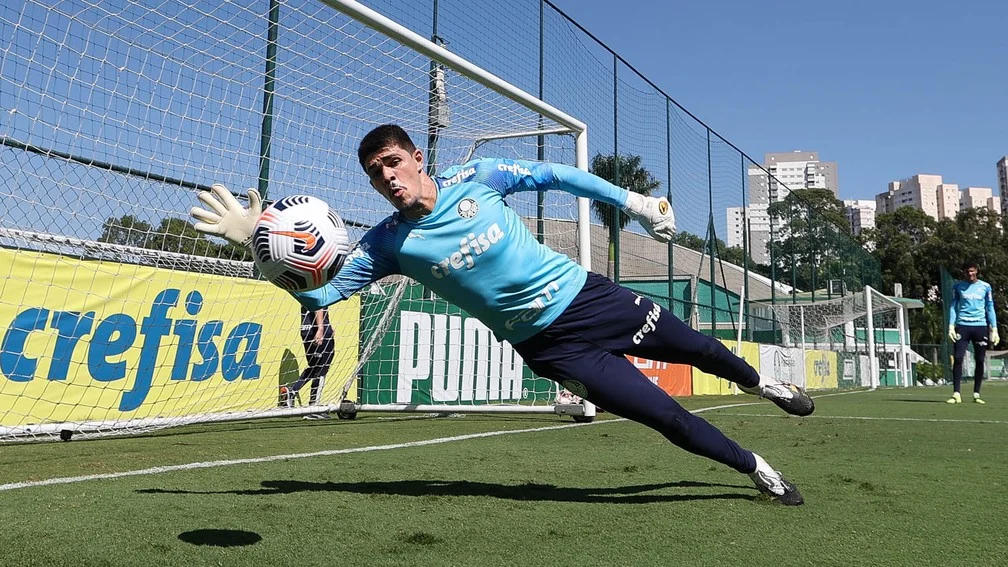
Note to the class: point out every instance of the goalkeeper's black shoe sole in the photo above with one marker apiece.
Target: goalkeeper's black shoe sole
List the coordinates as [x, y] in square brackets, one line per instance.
[791, 496]
[790, 398]
[766, 485]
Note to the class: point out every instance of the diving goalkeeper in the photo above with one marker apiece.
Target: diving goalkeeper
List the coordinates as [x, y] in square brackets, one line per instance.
[455, 234]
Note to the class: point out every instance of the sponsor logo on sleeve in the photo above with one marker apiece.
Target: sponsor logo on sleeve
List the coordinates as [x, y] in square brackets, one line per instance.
[459, 177]
[513, 168]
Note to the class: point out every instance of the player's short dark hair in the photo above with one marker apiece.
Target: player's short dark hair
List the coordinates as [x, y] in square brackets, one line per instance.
[382, 137]
[970, 264]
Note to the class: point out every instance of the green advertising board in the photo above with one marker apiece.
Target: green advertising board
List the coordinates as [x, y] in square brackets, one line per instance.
[435, 353]
[848, 370]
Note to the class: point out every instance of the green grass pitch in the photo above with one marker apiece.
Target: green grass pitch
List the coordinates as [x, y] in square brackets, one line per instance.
[890, 477]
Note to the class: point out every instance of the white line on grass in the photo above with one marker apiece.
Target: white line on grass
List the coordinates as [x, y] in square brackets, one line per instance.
[871, 418]
[271, 458]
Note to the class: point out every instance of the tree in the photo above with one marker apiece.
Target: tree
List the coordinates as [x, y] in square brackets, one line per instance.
[812, 241]
[902, 241]
[171, 235]
[977, 235]
[736, 255]
[689, 240]
[127, 231]
[913, 248]
[632, 177]
[177, 235]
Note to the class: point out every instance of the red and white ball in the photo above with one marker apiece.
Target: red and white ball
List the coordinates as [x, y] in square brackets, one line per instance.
[299, 243]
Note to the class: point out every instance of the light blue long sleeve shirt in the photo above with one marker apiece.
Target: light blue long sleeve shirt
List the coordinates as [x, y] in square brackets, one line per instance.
[972, 304]
[475, 251]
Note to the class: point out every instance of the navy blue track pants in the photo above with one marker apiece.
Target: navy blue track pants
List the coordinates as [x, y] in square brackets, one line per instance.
[584, 350]
[980, 337]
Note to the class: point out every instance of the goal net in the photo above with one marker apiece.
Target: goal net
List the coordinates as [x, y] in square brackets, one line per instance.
[119, 317]
[862, 335]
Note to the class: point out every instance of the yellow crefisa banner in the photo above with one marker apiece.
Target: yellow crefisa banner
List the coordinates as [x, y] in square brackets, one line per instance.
[820, 370]
[708, 384]
[94, 341]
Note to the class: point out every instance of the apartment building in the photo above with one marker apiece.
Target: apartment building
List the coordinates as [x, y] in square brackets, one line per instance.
[979, 198]
[939, 200]
[780, 173]
[929, 193]
[860, 214]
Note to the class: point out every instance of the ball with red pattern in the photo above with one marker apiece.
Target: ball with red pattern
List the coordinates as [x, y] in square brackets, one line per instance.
[299, 243]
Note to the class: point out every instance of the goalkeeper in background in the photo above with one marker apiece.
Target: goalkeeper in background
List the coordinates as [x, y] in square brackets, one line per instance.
[971, 320]
[455, 234]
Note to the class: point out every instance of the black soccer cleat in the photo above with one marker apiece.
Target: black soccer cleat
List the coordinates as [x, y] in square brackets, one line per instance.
[774, 485]
[788, 397]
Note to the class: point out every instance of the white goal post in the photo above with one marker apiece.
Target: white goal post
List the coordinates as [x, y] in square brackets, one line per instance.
[118, 318]
[580, 130]
[866, 329]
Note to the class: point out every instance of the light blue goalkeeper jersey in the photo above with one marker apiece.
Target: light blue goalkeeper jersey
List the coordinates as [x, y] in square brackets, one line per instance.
[972, 304]
[474, 251]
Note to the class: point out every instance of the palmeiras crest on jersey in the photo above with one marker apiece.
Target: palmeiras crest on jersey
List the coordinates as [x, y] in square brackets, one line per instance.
[467, 208]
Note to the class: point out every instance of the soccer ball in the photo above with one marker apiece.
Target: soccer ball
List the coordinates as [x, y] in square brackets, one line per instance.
[299, 243]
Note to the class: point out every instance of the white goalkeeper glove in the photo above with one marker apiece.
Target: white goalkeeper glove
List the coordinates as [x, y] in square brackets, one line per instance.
[655, 215]
[227, 217]
[995, 338]
[953, 335]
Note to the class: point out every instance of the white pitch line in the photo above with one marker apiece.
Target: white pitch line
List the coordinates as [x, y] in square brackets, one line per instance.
[271, 458]
[871, 418]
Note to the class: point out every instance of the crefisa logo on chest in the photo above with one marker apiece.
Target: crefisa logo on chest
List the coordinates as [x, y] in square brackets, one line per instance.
[467, 208]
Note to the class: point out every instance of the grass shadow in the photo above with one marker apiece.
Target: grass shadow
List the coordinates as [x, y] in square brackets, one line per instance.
[220, 538]
[635, 494]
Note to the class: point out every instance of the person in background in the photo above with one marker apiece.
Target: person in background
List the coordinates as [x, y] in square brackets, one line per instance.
[319, 347]
[971, 320]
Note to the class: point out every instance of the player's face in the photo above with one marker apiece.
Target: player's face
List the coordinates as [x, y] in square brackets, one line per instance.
[397, 175]
[971, 274]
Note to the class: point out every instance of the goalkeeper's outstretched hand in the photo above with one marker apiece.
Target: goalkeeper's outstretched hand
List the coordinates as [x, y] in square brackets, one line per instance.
[227, 217]
[655, 215]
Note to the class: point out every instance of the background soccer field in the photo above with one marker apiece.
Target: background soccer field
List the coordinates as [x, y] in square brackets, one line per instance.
[890, 477]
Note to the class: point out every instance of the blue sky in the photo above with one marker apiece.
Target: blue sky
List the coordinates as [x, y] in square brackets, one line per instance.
[887, 89]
